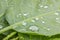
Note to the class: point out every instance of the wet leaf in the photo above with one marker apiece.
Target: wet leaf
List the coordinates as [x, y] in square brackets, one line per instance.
[36, 17]
[3, 7]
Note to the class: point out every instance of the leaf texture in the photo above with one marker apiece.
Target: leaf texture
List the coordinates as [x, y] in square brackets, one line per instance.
[36, 17]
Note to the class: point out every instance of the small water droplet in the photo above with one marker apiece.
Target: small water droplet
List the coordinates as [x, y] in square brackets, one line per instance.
[33, 20]
[34, 28]
[43, 22]
[25, 14]
[18, 15]
[24, 23]
[56, 13]
[57, 18]
[45, 6]
[41, 6]
[36, 18]
[48, 29]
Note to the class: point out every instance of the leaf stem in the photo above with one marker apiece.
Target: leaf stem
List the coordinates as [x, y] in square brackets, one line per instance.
[5, 29]
[10, 35]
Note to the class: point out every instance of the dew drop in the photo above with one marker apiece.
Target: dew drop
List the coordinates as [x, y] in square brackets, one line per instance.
[48, 29]
[34, 28]
[45, 6]
[57, 18]
[36, 18]
[43, 22]
[18, 15]
[24, 23]
[33, 20]
[41, 6]
[56, 13]
[25, 14]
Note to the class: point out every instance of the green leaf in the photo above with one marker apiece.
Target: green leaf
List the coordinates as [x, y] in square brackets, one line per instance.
[3, 7]
[32, 37]
[36, 17]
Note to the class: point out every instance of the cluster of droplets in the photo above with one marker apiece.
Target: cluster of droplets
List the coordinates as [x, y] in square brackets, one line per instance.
[34, 20]
[42, 6]
[25, 14]
[34, 27]
[57, 18]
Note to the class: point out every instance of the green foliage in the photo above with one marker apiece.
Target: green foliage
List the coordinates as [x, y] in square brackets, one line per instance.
[30, 19]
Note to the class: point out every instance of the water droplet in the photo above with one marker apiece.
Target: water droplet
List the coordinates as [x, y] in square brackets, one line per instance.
[43, 22]
[33, 20]
[34, 28]
[24, 23]
[45, 6]
[56, 13]
[18, 15]
[25, 14]
[48, 29]
[1, 26]
[57, 18]
[41, 6]
[36, 18]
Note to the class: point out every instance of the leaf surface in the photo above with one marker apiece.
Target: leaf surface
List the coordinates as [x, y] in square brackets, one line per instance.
[36, 17]
[3, 7]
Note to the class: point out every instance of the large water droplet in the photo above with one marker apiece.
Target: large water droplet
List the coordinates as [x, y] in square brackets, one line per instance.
[34, 28]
